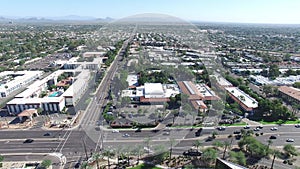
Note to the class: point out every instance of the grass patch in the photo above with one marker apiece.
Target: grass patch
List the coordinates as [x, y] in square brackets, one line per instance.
[281, 122]
[145, 166]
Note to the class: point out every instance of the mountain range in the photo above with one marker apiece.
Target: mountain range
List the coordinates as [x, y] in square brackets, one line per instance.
[53, 19]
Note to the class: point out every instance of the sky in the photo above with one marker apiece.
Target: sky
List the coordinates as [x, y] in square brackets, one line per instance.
[242, 11]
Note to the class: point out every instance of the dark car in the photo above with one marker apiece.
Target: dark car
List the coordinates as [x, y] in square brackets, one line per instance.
[238, 137]
[77, 165]
[28, 141]
[198, 132]
[273, 137]
[236, 132]
[192, 152]
[47, 134]
[138, 130]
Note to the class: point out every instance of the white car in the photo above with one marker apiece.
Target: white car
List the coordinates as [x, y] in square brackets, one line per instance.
[274, 128]
[115, 131]
[297, 125]
[290, 140]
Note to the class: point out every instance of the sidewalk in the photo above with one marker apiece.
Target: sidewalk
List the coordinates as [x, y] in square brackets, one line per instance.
[250, 122]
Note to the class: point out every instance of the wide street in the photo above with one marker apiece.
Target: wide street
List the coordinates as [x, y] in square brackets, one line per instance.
[89, 136]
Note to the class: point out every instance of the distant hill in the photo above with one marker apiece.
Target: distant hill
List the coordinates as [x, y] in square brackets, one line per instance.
[53, 19]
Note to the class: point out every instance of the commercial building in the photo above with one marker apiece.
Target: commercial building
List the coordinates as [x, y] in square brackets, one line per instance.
[224, 164]
[197, 94]
[290, 94]
[14, 80]
[246, 102]
[37, 95]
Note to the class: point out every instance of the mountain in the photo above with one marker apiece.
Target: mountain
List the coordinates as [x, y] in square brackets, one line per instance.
[53, 19]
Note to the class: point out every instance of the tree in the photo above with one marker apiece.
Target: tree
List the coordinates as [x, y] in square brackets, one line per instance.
[1, 159]
[96, 156]
[172, 142]
[290, 150]
[275, 154]
[125, 101]
[108, 153]
[209, 155]
[218, 144]
[147, 142]
[46, 163]
[197, 144]
[237, 157]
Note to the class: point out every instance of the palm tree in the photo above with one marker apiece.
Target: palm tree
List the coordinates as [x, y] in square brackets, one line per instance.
[96, 156]
[1, 159]
[197, 144]
[109, 154]
[147, 142]
[172, 142]
[226, 144]
[275, 153]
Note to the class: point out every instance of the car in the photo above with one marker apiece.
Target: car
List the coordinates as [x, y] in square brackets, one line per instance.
[221, 128]
[238, 137]
[274, 128]
[297, 125]
[272, 137]
[47, 134]
[166, 133]
[260, 127]
[192, 152]
[115, 131]
[126, 135]
[77, 165]
[256, 129]
[28, 141]
[290, 140]
[247, 127]
[236, 132]
[198, 132]
[138, 130]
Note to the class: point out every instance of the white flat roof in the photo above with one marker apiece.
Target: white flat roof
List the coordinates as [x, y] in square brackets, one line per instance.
[153, 88]
[222, 81]
[243, 97]
[132, 80]
[205, 90]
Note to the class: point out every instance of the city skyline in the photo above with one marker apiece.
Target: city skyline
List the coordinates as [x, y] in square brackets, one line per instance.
[268, 11]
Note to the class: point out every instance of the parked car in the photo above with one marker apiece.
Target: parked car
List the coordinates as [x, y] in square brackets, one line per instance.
[272, 137]
[256, 129]
[247, 127]
[297, 125]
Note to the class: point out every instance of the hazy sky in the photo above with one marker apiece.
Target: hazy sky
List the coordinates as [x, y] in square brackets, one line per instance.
[249, 11]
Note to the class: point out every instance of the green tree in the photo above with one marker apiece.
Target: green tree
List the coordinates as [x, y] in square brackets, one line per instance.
[97, 156]
[108, 153]
[147, 141]
[275, 154]
[198, 143]
[238, 157]
[209, 155]
[46, 163]
[290, 150]
[1, 159]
